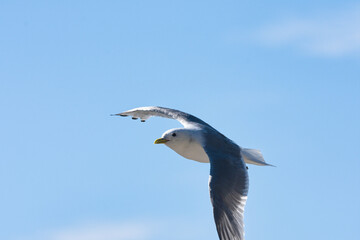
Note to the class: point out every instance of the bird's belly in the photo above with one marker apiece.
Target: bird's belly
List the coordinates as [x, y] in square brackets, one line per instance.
[193, 151]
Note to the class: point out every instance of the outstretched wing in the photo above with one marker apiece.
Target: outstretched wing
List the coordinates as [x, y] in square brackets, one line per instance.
[228, 185]
[146, 112]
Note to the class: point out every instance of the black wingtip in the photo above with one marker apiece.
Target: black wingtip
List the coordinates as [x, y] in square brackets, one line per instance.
[142, 120]
[119, 114]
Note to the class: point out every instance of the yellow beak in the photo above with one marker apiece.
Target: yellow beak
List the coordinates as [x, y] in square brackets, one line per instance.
[160, 140]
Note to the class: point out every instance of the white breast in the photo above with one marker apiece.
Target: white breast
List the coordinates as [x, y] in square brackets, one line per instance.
[190, 150]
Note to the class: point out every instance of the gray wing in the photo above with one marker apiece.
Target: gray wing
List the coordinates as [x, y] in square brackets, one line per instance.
[228, 184]
[146, 112]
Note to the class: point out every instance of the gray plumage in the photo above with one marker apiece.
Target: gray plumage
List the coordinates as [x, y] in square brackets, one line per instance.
[228, 185]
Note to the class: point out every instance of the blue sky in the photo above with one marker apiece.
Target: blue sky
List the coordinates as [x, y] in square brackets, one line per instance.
[277, 76]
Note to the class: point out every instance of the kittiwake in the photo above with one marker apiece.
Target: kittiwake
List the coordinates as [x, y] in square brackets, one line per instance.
[228, 181]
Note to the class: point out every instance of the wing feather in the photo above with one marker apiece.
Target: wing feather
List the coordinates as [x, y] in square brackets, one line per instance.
[228, 185]
[146, 112]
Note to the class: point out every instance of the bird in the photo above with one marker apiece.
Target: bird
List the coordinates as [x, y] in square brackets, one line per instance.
[228, 180]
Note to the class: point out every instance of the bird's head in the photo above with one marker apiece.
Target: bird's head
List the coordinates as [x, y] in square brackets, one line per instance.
[186, 142]
[175, 137]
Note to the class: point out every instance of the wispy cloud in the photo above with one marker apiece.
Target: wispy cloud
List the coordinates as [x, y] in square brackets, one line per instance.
[101, 231]
[120, 231]
[335, 33]
[169, 228]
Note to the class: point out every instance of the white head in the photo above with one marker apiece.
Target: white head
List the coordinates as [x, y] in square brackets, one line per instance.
[175, 136]
[186, 142]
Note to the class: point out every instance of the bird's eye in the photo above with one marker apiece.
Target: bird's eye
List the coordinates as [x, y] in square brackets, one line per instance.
[174, 134]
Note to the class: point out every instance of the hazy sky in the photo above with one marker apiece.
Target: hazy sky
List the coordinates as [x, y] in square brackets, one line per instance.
[273, 75]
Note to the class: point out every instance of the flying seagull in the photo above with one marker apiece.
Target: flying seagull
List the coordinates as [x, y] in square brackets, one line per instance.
[229, 180]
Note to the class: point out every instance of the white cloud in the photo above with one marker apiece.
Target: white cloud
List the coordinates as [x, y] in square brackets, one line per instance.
[169, 228]
[331, 34]
[101, 231]
[120, 231]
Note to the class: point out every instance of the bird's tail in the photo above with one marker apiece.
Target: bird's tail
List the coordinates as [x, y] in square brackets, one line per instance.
[254, 156]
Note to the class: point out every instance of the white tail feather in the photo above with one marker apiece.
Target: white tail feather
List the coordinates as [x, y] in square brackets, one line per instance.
[253, 156]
